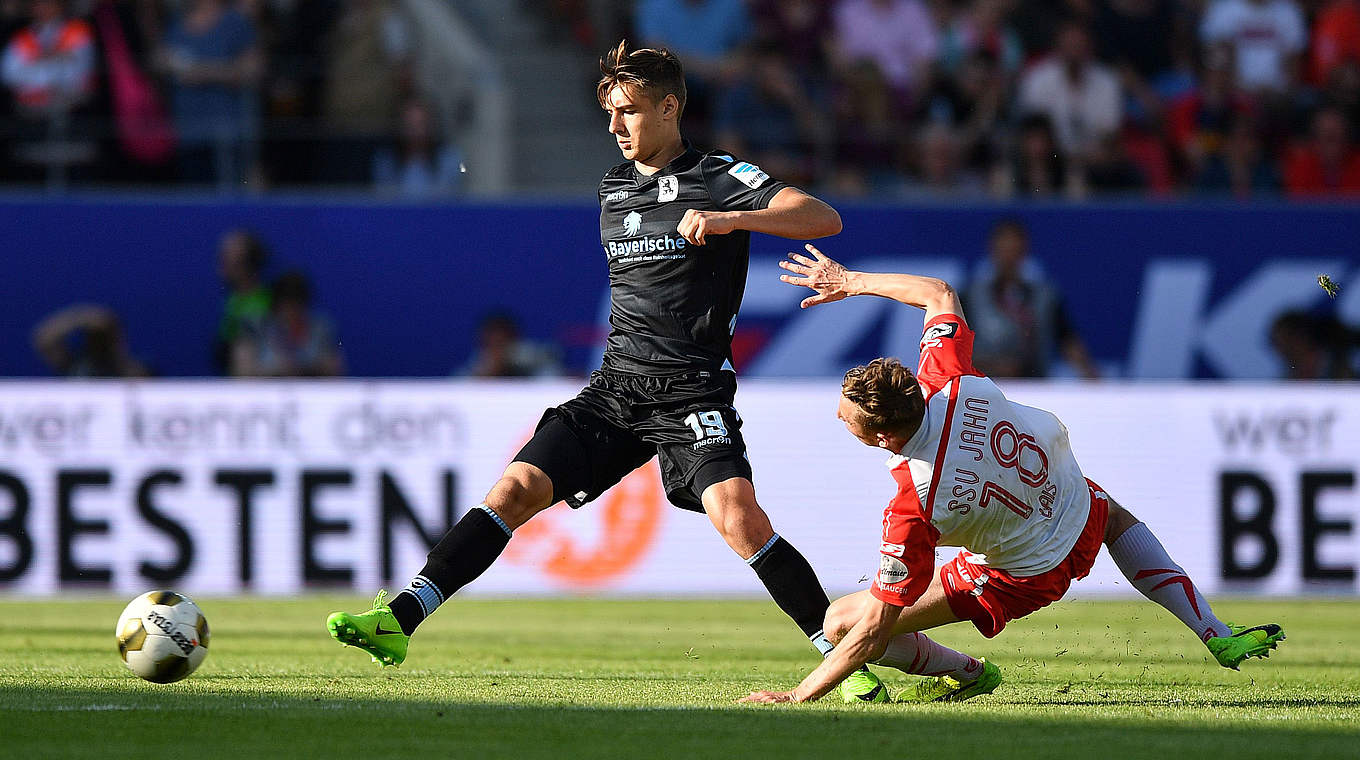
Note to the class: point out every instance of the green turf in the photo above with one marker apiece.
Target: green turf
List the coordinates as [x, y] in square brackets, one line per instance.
[556, 679]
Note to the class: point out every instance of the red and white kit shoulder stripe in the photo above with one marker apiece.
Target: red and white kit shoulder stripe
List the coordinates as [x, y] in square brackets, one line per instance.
[983, 472]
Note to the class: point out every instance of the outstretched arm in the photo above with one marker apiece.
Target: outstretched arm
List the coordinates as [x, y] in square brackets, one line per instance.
[834, 282]
[792, 213]
[863, 643]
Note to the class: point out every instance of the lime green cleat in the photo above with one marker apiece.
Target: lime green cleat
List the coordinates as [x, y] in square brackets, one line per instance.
[1244, 642]
[863, 686]
[375, 632]
[950, 689]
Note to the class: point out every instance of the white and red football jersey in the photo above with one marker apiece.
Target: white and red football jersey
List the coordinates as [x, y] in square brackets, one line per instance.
[982, 472]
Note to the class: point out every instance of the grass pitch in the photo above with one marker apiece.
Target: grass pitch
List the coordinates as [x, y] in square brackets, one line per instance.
[654, 679]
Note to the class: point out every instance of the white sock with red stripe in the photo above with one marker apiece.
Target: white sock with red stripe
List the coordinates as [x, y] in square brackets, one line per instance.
[916, 654]
[1143, 560]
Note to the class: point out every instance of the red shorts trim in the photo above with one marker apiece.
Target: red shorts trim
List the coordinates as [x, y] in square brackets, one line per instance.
[990, 597]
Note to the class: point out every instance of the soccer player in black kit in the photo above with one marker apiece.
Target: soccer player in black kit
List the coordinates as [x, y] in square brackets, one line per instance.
[675, 224]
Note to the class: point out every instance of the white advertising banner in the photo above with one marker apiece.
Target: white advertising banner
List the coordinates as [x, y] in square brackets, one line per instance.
[280, 487]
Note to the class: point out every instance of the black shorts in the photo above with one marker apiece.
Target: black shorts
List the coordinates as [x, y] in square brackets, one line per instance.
[620, 421]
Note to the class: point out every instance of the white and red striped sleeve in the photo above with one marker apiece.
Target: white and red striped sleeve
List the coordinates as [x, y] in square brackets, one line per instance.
[907, 551]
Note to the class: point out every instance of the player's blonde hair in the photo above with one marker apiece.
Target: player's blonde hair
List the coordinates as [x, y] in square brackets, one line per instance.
[888, 396]
[654, 72]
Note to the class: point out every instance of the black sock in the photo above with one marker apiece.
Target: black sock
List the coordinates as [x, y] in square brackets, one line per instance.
[793, 585]
[464, 553]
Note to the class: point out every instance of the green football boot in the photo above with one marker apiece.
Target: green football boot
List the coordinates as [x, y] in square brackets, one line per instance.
[1244, 642]
[863, 686]
[375, 632]
[950, 689]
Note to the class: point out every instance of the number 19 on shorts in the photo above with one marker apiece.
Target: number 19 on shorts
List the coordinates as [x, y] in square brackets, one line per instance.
[706, 425]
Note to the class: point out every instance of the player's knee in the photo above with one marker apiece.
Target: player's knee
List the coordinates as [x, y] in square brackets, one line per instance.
[840, 618]
[1119, 520]
[522, 492]
[745, 529]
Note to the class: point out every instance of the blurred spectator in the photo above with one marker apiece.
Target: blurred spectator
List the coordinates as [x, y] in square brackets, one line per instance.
[938, 163]
[1311, 347]
[1135, 38]
[892, 41]
[769, 118]
[1134, 35]
[86, 341]
[1080, 96]
[1036, 21]
[49, 69]
[1109, 170]
[1018, 314]
[1239, 167]
[979, 28]
[49, 65]
[422, 165]
[1265, 36]
[294, 340]
[799, 28]
[214, 63]
[1328, 164]
[501, 352]
[140, 138]
[970, 100]
[882, 55]
[1336, 38]
[1343, 91]
[368, 77]
[241, 258]
[707, 36]
[1198, 121]
[1034, 167]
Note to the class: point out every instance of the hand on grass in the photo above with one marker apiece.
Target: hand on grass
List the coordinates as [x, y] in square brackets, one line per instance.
[768, 697]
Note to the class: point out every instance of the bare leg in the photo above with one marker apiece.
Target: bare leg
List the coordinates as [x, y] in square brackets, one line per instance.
[909, 650]
[731, 506]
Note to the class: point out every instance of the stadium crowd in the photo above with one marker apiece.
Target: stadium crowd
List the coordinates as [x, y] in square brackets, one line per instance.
[1015, 98]
[890, 98]
[231, 93]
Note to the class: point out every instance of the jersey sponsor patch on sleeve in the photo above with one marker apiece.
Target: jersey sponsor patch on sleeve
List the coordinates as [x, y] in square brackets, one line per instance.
[748, 174]
[891, 571]
[941, 330]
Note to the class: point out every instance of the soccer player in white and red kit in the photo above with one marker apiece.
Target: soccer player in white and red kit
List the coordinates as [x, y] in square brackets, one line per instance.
[975, 470]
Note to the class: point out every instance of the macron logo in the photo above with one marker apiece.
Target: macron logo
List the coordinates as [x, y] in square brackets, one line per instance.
[632, 223]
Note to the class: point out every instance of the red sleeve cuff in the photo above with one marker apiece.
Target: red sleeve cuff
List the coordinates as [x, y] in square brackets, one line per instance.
[889, 597]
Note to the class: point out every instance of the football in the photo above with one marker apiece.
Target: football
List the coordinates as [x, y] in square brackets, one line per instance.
[162, 636]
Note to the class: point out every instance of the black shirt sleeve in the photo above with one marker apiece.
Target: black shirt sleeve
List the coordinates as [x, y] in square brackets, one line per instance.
[735, 185]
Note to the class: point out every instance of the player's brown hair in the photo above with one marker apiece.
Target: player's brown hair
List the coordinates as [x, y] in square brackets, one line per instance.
[655, 73]
[888, 394]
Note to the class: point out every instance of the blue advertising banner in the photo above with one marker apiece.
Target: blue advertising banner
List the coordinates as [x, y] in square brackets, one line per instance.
[1156, 291]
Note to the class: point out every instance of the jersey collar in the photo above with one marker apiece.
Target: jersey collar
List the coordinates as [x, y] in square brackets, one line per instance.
[918, 439]
[680, 163]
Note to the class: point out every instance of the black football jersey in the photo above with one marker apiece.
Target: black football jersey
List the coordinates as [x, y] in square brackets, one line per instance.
[673, 305]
